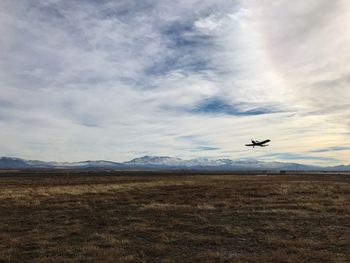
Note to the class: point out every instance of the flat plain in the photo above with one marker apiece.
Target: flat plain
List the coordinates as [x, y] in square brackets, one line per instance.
[110, 216]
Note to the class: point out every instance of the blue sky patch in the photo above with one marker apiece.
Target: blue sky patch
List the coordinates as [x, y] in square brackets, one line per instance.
[220, 106]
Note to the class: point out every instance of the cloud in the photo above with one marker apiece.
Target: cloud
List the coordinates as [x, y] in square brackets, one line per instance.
[112, 79]
[332, 149]
[207, 148]
[302, 158]
[311, 50]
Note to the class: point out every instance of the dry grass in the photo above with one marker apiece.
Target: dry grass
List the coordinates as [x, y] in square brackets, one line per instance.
[174, 218]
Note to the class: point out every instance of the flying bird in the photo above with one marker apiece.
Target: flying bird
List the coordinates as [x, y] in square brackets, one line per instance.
[257, 143]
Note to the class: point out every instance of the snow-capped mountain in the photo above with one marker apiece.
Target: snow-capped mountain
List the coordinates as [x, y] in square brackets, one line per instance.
[156, 160]
[212, 164]
[166, 162]
[88, 164]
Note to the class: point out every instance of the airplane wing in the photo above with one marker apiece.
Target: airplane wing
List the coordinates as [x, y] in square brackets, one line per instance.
[250, 145]
[266, 141]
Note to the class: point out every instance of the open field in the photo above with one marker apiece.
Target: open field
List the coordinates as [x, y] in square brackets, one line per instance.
[138, 217]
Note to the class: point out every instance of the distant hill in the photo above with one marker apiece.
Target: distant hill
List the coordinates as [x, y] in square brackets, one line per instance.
[16, 163]
[339, 168]
[8, 163]
[166, 162]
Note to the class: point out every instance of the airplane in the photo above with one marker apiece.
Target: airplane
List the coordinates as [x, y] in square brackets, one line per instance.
[257, 143]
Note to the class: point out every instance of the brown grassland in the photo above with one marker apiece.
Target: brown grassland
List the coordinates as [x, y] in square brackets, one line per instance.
[154, 217]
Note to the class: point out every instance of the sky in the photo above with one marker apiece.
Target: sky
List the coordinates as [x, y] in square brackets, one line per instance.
[115, 80]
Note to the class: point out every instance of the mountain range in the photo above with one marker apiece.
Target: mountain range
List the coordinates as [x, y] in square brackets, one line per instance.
[167, 163]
